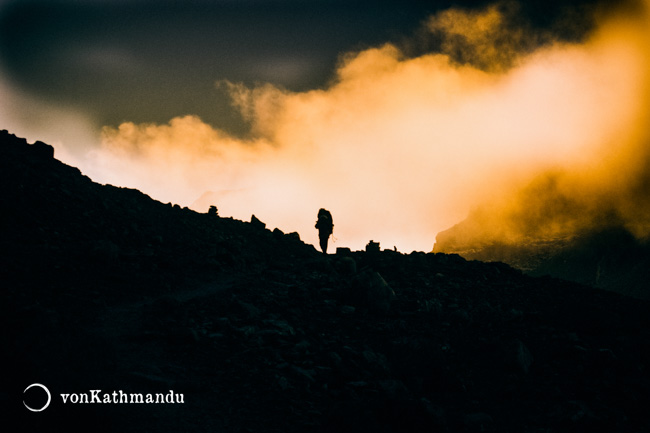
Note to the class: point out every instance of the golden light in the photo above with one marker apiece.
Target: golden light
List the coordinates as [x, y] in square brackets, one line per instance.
[401, 148]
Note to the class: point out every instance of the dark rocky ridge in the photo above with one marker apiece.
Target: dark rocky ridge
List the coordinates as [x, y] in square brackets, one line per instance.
[105, 288]
[608, 257]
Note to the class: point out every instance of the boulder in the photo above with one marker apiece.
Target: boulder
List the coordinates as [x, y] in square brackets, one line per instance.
[370, 290]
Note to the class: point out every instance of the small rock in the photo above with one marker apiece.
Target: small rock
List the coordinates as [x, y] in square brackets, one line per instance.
[522, 356]
[308, 374]
[43, 150]
[479, 421]
[293, 236]
[255, 222]
[283, 327]
[376, 362]
[394, 389]
[283, 382]
[372, 247]
[347, 266]
[106, 250]
[459, 316]
[335, 358]
[252, 311]
[432, 306]
[343, 251]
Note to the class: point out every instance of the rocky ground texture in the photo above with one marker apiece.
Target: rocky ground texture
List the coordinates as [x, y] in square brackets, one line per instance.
[105, 288]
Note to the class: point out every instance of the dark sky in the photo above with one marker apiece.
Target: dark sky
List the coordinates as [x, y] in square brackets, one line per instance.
[148, 61]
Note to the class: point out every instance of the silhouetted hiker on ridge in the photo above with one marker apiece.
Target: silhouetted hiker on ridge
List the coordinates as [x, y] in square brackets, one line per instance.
[325, 226]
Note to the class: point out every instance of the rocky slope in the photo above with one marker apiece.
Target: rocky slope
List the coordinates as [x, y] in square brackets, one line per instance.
[608, 257]
[105, 288]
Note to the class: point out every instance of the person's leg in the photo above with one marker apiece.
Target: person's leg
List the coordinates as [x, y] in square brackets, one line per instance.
[323, 243]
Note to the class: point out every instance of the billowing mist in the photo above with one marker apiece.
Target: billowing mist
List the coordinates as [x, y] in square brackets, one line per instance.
[543, 137]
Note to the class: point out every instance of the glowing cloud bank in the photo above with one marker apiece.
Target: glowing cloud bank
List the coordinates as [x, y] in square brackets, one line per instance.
[400, 148]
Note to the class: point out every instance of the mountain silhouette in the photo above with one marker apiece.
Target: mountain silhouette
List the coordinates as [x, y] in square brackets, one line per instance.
[106, 289]
[607, 257]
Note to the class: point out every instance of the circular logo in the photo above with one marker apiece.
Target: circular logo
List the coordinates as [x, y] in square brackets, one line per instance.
[47, 391]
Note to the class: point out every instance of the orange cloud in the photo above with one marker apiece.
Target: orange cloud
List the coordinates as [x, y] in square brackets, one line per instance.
[400, 148]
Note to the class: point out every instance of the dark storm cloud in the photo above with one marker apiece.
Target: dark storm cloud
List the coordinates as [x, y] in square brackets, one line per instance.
[149, 61]
[153, 60]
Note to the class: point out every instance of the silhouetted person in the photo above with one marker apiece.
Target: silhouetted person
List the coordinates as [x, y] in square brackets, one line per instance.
[325, 226]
